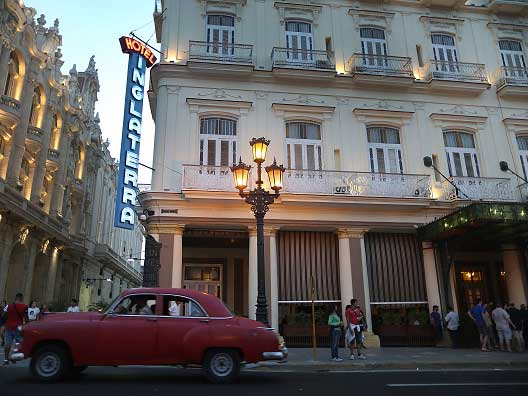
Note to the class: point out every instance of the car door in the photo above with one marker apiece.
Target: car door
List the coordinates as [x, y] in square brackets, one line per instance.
[126, 337]
[183, 330]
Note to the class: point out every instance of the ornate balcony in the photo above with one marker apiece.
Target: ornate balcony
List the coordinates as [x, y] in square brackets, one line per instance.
[523, 191]
[9, 111]
[458, 77]
[220, 57]
[511, 82]
[302, 63]
[478, 188]
[34, 137]
[512, 7]
[53, 155]
[381, 70]
[208, 178]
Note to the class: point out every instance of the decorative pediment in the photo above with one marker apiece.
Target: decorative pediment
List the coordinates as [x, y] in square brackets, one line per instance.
[284, 110]
[508, 31]
[378, 115]
[235, 107]
[445, 120]
[380, 19]
[222, 7]
[303, 11]
[444, 25]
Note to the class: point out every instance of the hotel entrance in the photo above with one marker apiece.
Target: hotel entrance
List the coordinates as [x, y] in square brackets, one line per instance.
[205, 278]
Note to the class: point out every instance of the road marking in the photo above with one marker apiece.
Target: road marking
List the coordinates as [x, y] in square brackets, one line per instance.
[458, 384]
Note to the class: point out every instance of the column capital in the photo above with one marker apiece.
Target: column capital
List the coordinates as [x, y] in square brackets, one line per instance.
[427, 245]
[271, 231]
[252, 230]
[179, 229]
[356, 233]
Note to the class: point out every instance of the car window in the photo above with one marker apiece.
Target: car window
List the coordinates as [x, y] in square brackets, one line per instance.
[181, 306]
[141, 304]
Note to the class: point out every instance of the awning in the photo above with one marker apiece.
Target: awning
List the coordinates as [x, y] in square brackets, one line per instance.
[484, 223]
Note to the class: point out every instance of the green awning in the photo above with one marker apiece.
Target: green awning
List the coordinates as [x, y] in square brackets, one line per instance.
[482, 223]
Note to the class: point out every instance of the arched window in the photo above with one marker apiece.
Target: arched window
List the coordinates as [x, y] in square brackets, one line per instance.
[13, 73]
[512, 57]
[373, 46]
[217, 141]
[444, 52]
[36, 102]
[461, 154]
[303, 145]
[220, 34]
[299, 40]
[522, 144]
[385, 150]
[55, 131]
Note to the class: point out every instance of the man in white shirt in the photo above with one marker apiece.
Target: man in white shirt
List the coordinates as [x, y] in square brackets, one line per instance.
[74, 306]
[452, 324]
[502, 324]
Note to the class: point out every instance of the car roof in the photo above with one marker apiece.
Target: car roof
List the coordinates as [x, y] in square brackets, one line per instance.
[213, 306]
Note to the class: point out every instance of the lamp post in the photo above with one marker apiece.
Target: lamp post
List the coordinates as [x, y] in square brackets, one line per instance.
[259, 199]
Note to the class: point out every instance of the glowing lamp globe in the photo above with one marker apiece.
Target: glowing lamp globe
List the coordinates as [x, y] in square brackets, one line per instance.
[259, 147]
[241, 175]
[275, 174]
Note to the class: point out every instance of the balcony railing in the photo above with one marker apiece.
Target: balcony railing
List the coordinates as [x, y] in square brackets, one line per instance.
[523, 190]
[456, 71]
[35, 133]
[220, 52]
[301, 58]
[511, 76]
[478, 188]
[380, 65]
[9, 102]
[209, 178]
[356, 183]
[53, 155]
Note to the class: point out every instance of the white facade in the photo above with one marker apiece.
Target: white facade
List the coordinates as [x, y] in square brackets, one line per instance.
[353, 95]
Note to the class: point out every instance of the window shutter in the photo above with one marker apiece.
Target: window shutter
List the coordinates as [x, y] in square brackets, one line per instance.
[298, 156]
[211, 152]
[310, 156]
[224, 153]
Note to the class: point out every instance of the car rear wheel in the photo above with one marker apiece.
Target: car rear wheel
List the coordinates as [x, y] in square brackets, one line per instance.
[50, 363]
[221, 366]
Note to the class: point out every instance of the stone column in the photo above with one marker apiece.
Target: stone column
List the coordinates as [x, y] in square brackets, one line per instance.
[52, 274]
[177, 258]
[60, 175]
[40, 171]
[271, 233]
[345, 269]
[18, 147]
[4, 67]
[431, 275]
[252, 274]
[6, 243]
[30, 266]
[26, 192]
[514, 274]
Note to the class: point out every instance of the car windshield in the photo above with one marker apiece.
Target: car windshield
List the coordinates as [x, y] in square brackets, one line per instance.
[111, 305]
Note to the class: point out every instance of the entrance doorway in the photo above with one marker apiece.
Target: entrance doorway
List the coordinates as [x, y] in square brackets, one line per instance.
[207, 278]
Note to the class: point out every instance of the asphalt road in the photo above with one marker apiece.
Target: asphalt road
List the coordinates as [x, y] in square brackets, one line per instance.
[131, 381]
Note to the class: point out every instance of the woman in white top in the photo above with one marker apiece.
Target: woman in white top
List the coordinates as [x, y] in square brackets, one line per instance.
[33, 311]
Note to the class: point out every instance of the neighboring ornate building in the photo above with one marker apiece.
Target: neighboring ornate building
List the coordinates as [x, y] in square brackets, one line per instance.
[57, 178]
[353, 94]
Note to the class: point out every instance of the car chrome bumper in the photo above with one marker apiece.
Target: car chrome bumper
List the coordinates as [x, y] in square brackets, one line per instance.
[283, 354]
[17, 356]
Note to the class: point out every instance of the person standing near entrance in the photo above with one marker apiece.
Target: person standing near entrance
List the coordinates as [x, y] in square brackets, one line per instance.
[436, 321]
[503, 323]
[524, 316]
[517, 320]
[452, 323]
[335, 323]
[476, 314]
[354, 334]
[16, 316]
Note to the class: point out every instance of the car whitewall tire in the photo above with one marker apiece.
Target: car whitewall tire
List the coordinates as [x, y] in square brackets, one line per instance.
[221, 366]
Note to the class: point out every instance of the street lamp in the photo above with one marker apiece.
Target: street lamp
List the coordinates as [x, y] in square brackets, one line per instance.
[259, 199]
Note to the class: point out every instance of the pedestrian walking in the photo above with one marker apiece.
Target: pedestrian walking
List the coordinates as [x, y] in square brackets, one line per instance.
[452, 324]
[503, 323]
[524, 316]
[476, 314]
[490, 326]
[16, 316]
[354, 333]
[517, 320]
[33, 311]
[3, 319]
[74, 306]
[335, 323]
[436, 321]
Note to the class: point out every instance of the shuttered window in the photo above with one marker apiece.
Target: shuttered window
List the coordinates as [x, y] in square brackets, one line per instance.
[303, 145]
[299, 40]
[217, 141]
[513, 59]
[461, 154]
[220, 34]
[444, 53]
[522, 144]
[374, 47]
[385, 152]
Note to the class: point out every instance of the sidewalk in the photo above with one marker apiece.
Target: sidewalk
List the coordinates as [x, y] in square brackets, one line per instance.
[400, 358]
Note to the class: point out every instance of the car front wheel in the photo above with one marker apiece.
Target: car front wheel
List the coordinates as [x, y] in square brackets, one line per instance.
[50, 363]
[221, 366]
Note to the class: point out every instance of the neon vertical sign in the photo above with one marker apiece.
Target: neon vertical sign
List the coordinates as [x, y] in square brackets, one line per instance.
[140, 58]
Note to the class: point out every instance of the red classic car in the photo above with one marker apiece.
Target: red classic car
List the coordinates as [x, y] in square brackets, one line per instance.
[149, 327]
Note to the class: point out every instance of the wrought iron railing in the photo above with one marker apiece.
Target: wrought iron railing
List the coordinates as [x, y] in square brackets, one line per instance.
[380, 65]
[35, 133]
[510, 75]
[457, 71]
[144, 187]
[301, 58]
[53, 154]
[209, 178]
[220, 52]
[478, 188]
[9, 102]
[356, 183]
[523, 191]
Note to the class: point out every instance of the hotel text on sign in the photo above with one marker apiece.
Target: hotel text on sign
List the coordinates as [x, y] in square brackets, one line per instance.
[140, 57]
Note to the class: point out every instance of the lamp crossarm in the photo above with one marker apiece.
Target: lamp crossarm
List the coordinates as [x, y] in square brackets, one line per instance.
[450, 182]
[519, 176]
